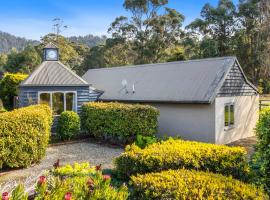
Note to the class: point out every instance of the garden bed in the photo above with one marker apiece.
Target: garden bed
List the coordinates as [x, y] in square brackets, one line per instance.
[69, 153]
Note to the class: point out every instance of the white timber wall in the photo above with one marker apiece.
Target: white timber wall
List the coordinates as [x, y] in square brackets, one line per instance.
[246, 116]
[189, 121]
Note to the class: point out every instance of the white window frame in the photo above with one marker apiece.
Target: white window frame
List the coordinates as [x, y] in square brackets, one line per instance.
[229, 125]
[63, 92]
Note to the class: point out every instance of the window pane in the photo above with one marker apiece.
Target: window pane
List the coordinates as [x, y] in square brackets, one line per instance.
[226, 115]
[70, 101]
[58, 103]
[231, 114]
[44, 98]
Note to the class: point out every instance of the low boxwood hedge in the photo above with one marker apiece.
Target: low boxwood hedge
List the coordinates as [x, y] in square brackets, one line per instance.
[176, 154]
[24, 135]
[119, 122]
[190, 184]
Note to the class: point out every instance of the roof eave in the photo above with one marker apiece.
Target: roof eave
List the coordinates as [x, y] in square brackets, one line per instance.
[55, 85]
[157, 101]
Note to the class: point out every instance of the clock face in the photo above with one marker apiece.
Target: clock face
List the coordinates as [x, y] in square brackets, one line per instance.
[51, 54]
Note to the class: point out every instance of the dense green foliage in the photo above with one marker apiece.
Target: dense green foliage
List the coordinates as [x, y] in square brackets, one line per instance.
[9, 87]
[143, 141]
[24, 61]
[119, 122]
[68, 125]
[230, 30]
[191, 184]
[177, 154]
[88, 40]
[261, 159]
[24, 135]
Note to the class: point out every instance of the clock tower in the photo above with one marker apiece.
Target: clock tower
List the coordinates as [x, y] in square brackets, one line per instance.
[50, 52]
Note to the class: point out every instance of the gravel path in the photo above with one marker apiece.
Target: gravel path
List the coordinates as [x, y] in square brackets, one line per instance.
[68, 153]
[247, 143]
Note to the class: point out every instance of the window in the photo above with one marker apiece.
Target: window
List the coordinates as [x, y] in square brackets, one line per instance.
[70, 101]
[59, 101]
[229, 115]
[45, 98]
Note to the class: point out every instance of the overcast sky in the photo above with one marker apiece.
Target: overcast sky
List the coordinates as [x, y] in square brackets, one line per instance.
[33, 18]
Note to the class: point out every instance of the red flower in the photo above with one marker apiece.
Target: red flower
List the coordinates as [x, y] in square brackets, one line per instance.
[5, 196]
[41, 180]
[98, 167]
[68, 196]
[106, 177]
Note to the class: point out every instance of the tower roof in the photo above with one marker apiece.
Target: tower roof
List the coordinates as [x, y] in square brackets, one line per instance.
[51, 45]
[53, 73]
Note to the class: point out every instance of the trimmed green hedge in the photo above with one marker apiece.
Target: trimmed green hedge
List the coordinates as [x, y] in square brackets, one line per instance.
[68, 125]
[177, 154]
[119, 122]
[261, 158]
[190, 184]
[24, 135]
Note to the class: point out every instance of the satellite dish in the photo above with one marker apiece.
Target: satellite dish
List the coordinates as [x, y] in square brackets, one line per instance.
[124, 82]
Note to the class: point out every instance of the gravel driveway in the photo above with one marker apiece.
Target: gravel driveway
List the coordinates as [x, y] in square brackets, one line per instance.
[68, 153]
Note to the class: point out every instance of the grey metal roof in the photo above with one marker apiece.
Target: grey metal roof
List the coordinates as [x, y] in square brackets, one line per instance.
[53, 73]
[194, 81]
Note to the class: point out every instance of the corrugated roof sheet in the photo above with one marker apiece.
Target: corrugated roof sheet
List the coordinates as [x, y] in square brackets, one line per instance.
[194, 81]
[53, 73]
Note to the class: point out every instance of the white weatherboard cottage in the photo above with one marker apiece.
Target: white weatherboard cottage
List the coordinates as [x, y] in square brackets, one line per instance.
[207, 100]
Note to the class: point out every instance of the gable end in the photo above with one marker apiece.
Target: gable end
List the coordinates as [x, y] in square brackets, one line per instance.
[236, 84]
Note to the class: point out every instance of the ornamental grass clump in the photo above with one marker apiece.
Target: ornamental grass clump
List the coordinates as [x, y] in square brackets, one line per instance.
[119, 122]
[24, 135]
[191, 184]
[177, 154]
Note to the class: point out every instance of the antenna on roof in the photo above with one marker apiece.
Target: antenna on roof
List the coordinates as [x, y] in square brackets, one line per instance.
[133, 88]
[124, 84]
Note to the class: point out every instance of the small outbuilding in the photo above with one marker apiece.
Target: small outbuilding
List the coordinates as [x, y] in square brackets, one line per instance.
[55, 84]
[207, 100]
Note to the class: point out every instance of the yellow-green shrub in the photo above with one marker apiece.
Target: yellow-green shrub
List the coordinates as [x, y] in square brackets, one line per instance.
[9, 87]
[191, 184]
[119, 122]
[24, 135]
[176, 154]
